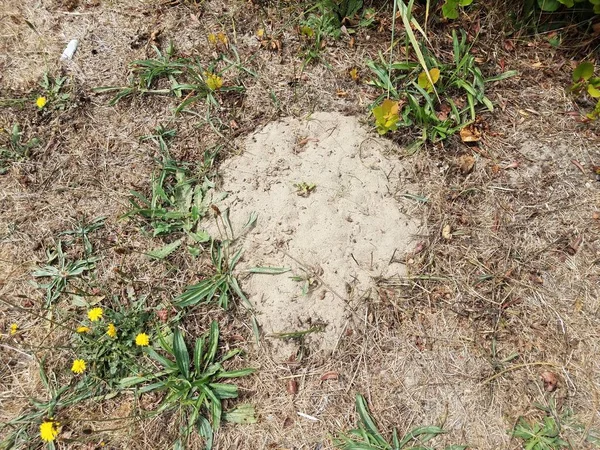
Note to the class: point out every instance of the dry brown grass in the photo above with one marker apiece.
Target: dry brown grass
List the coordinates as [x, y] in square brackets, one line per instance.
[510, 279]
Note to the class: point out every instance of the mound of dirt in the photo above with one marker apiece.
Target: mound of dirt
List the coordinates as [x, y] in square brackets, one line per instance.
[327, 200]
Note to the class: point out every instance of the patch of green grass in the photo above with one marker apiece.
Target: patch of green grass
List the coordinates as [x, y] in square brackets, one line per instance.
[179, 194]
[368, 437]
[56, 92]
[325, 19]
[185, 78]
[220, 287]
[194, 383]
[540, 436]
[82, 231]
[61, 272]
[550, 433]
[13, 147]
[437, 103]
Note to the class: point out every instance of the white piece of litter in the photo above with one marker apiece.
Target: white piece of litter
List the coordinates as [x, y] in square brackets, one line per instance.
[70, 50]
[306, 416]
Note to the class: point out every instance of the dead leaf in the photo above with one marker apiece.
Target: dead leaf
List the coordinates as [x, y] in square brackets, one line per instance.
[447, 232]
[288, 422]
[470, 134]
[578, 165]
[574, 246]
[509, 46]
[445, 109]
[341, 94]
[596, 215]
[419, 247]
[512, 165]
[550, 381]
[331, 375]
[466, 163]
[596, 28]
[292, 386]
[163, 315]
[536, 278]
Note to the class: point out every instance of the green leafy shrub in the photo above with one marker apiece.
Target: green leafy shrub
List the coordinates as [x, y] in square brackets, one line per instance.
[450, 8]
[585, 83]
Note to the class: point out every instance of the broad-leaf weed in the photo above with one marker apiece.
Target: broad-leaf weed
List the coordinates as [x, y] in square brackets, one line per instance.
[194, 384]
[368, 437]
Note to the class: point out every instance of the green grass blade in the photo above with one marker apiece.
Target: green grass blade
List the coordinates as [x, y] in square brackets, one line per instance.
[182, 357]
[423, 433]
[409, 22]
[214, 406]
[502, 76]
[198, 352]
[206, 431]
[367, 421]
[166, 363]
[213, 343]
[237, 373]
[223, 390]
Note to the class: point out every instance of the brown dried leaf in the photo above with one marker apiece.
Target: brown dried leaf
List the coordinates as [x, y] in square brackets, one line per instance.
[288, 422]
[550, 380]
[466, 163]
[445, 109]
[574, 246]
[292, 386]
[331, 375]
[163, 315]
[470, 134]
[447, 232]
[536, 278]
[419, 247]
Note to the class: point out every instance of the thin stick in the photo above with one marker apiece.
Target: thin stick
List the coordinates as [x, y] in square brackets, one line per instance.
[516, 367]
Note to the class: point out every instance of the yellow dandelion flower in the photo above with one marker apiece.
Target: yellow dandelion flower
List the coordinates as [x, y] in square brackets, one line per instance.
[41, 102]
[142, 340]
[222, 37]
[95, 314]
[13, 329]
[213, 81]
[83, 329]
[212, 38]
[78, 366]
[111, 330]
[49, 430]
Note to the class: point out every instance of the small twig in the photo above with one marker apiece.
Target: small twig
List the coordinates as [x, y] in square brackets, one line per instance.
[516, 367]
